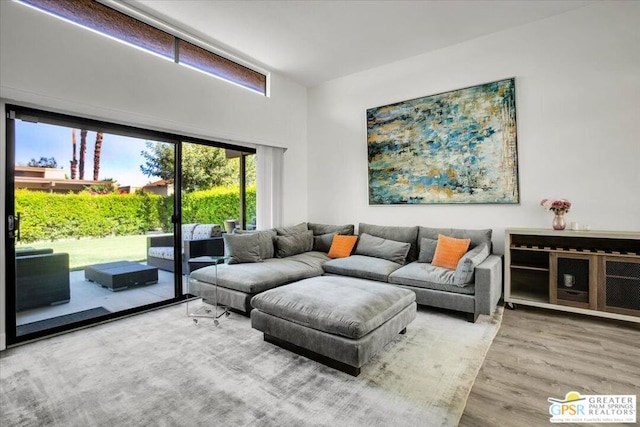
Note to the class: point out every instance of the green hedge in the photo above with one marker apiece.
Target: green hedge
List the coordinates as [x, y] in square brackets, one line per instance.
[46, 216]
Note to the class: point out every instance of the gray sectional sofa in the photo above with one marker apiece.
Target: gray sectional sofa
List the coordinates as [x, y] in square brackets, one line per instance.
[397, 256]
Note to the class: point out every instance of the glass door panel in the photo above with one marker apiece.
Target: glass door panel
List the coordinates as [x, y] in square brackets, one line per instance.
[95, 232]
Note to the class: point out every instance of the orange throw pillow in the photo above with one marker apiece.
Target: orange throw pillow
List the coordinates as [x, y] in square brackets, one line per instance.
[342, 246]
[449, 251]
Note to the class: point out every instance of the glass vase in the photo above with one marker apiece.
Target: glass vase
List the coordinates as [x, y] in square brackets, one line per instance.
[558, 221]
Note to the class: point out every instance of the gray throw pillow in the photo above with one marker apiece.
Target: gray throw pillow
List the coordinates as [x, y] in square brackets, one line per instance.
[319, 229]
[241, 248]
[382, 248]
[294, 244]
[322, 243]
[296, 229]
[467, 264]
[267, 238]
[427, 249]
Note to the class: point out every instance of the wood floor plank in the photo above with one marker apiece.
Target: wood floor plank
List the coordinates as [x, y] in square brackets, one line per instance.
[539, 354]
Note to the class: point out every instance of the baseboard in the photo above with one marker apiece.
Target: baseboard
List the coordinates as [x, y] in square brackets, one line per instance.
[3, 341]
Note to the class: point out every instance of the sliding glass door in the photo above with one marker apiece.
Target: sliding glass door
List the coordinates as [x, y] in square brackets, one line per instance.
[103, 218]
[94, 232]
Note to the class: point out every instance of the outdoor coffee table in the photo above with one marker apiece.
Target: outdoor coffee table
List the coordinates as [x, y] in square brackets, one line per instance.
[119, 275]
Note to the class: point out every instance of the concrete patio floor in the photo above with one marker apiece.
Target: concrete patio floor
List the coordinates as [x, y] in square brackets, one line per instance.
[86, 295]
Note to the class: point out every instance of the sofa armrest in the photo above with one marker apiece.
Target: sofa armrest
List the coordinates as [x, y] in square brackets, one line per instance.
[488, 284]
[213, 246]
[159, 240]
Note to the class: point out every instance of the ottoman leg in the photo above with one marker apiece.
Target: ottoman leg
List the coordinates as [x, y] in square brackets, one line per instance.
[347, 369]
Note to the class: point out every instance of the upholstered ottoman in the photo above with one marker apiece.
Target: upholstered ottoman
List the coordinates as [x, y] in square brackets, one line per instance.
[339, 321]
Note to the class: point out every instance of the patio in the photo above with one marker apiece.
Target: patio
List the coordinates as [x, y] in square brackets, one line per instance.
[86, 295]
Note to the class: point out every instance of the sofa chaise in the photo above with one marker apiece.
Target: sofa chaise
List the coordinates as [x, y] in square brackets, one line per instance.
[397, 256]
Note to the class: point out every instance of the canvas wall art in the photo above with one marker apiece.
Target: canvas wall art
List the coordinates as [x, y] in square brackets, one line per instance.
[454, 147]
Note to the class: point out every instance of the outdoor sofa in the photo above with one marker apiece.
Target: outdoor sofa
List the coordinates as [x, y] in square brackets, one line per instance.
[277, 257]
[42, 278]
[197, 240]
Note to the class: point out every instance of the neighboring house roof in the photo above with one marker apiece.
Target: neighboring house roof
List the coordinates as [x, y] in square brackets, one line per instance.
[50, 180]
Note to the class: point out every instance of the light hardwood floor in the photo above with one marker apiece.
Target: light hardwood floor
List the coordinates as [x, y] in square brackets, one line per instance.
[539, 354]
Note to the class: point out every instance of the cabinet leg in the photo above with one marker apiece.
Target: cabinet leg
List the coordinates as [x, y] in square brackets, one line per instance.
[510, 306]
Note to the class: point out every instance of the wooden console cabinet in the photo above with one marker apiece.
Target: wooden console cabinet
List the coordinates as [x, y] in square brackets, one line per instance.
[588, 272]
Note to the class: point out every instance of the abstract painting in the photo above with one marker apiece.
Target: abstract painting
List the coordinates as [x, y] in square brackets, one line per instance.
[454, 147]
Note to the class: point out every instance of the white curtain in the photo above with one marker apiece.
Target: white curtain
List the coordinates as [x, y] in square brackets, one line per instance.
[269, 200]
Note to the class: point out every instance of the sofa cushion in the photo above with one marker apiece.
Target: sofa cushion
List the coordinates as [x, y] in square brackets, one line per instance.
[361, 266]
[342, 246]
[322, 242]
[476, 236]
[295, 229]
[467, 264]
[266, 237]
[342, 306]
[258, 277]
[205, 231]
[162, 252]
[399, 234]
[449, 251]
[427, 276]
[241, 248]
[319, 229]
[427, 249]
[187, 231]
[382, 248]
[293, 244]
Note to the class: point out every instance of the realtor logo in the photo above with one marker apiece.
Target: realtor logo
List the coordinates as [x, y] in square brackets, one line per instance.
[576, 408]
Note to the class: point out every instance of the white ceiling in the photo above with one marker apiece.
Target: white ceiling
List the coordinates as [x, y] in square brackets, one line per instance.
[315, 41]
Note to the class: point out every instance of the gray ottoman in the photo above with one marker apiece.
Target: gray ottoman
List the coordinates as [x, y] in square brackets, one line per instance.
[339, 321]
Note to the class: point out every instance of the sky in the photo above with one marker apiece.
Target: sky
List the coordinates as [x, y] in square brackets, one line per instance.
[120, 157]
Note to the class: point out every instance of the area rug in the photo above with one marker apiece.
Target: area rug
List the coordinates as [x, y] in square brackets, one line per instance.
[161, 369]
[66, 319]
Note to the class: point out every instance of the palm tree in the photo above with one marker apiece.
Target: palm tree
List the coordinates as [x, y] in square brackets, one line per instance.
[74, 161]
[96, 156]
[83, 151]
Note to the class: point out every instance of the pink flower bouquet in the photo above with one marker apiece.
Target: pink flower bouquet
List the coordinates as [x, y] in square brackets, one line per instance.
[559, 206]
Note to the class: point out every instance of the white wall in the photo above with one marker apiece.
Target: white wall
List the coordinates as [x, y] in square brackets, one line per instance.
[578, 111]
[52, 65]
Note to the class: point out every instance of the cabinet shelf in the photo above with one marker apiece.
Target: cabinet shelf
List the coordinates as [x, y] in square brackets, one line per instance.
[596, 273]
[527, 267]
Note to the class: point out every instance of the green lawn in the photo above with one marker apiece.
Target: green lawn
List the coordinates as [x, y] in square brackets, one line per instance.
[84, 252]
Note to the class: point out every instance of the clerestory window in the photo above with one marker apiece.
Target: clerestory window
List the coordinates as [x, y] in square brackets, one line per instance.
[112, 23]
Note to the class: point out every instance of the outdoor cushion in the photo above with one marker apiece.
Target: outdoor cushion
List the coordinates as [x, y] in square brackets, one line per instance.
[294, 244]
[241, 248]
[266, 243]
[399, 234]
[361, 266]
[187, 231]
[205, 231]
[468, 263]
[163, 252]
[258, 277]
[382, 248]
[421, 275]
[476, 236]
[342, 306]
